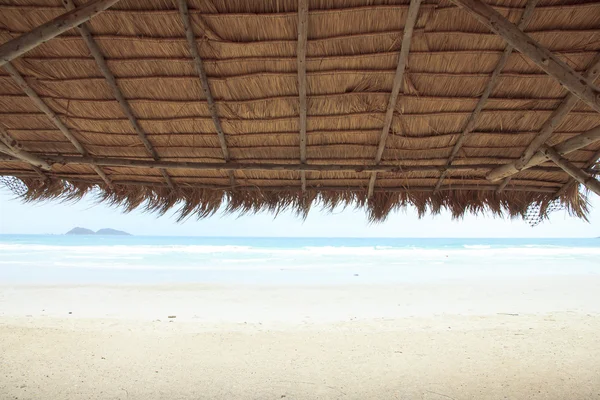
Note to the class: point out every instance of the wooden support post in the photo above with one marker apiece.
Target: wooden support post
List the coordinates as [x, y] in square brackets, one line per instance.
[569, 78]
[409, 25]
[301, 56]
[20, 81]
[472, 121]
[10, 146]
[212, 106]
[112, 83]
[554, 121]
[568, 146]
[30, 40]
[580, 176]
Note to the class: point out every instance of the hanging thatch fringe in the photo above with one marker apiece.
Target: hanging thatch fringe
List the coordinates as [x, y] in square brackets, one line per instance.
[204, 202]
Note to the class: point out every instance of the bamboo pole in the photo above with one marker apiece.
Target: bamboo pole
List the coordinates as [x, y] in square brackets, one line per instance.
[554, 121]
[569, 78]
[18, 78]
[411, 19]
[568, 146]
[112, 83]
[10, 146]
[474, 117]
[212, 106]
[579, 175]
[30, 40]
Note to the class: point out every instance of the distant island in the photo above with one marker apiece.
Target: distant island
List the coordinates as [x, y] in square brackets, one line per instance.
[105, 231]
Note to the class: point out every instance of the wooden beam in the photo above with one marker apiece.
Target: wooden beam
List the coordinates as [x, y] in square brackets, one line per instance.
[301, 58]
[371, 188]
[403, 189]
[588, 167]
[474, 117]
[568, 146]
[20, 81]
[212, 106]
[230, 166]
[96, 52]
[120, 162]
[579, 175]
[569, 78]
[9, 156]
[193, 47]
[409, 25]
[30, 40]
[10, 146]
[6, 154]
[112, 83]
[556, 118]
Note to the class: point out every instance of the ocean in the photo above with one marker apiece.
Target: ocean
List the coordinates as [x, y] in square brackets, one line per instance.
[65, 259]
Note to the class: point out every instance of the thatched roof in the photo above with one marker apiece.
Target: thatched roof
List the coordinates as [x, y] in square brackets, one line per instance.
[250, 53]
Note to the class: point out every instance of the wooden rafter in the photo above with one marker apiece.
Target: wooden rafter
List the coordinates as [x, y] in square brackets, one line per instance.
[10, 146]
[232, 166]
[212, 106]
[586, 168]
[575, 143]
[524, 188]
[554, 121]
[411, 19]
[579, 175]
[20, 81]
[472, 121]
[301, 56]
[7, 155]
[112, 83]
[551, 64]
[30, 40]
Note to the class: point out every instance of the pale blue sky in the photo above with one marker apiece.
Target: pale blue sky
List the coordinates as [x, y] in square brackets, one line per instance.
[56, 217]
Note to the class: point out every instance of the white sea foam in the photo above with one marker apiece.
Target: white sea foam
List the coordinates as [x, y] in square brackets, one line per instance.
[131, 250]
[124, 249]
[201, 257]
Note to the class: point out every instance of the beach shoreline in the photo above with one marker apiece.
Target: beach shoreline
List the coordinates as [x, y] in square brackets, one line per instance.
[462, 339]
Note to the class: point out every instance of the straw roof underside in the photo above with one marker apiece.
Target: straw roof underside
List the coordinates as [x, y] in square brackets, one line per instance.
[249, 53]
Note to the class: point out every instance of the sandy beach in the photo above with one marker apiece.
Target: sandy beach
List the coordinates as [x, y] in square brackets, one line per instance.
[501, 339]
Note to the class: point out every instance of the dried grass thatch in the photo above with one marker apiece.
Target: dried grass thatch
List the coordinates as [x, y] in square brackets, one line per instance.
[249, 52]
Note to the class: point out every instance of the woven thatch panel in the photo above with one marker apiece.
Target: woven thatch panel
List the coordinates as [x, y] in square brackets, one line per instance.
[249, 52]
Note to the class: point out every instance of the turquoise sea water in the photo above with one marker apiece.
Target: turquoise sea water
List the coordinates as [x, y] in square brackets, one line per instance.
[55, 259]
